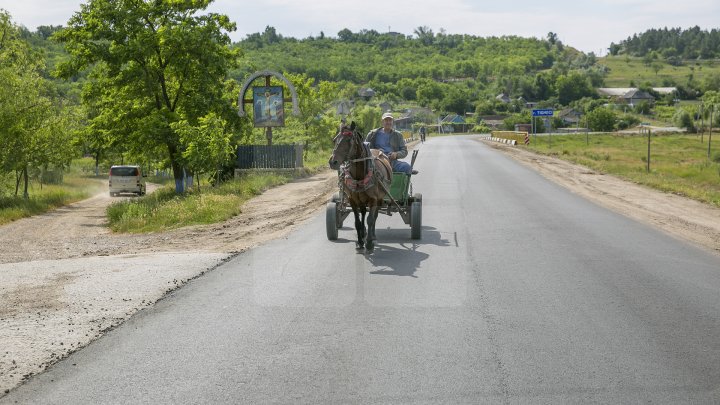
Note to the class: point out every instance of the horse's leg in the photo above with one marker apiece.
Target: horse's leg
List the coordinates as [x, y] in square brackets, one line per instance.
[372, 218]
[359, 227]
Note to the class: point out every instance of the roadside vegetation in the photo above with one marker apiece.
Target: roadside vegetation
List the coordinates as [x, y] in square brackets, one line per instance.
[679, 163]
[164, 209]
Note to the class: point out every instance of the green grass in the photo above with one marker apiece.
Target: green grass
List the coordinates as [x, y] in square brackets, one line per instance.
[165, 210]
[624, 69]
[678, 163]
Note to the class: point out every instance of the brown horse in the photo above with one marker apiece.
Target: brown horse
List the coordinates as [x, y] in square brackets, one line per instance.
[365, 175]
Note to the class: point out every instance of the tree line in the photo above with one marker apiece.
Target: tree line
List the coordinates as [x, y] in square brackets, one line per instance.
[672, 43]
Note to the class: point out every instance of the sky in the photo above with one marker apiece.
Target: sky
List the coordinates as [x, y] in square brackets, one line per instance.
[588, 25]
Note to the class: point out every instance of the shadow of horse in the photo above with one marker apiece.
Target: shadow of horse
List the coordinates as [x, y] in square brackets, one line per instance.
[405, 260]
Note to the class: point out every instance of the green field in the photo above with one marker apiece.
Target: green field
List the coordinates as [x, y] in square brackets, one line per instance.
[678, 163]
[625, 69]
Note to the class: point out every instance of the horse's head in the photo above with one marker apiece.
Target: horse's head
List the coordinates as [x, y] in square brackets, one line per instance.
[345, 147]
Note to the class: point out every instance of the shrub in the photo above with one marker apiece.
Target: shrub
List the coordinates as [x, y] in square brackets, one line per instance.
[601, 119]
[683, 119]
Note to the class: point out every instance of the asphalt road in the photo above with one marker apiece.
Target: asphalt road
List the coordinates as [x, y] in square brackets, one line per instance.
[518, 292]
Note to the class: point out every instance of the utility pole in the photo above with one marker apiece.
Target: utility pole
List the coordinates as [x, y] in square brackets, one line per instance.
[712, 111]
[702, 122]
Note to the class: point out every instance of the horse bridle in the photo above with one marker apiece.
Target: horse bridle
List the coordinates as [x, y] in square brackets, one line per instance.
[352, 136]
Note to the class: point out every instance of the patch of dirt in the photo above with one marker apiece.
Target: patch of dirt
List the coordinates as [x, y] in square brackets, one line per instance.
[65, 279]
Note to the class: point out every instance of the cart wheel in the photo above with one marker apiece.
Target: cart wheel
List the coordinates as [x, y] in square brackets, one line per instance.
[331, 221]
[416, 220]
[336, 197]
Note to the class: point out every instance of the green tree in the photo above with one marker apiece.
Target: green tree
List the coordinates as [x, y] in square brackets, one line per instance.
[683, 119]
[208, 144]
[425, 35]
[35, 134]
[161, 63]
[317, 123]
[573, 86]
[601, 119]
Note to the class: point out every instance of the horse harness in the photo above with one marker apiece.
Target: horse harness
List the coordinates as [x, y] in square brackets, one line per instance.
[369, 179]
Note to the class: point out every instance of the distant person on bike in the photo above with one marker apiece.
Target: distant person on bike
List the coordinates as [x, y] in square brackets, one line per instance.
[392, 143]
[422, 133]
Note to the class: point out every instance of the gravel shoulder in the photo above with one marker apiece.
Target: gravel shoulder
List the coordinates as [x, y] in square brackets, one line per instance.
[65, 279]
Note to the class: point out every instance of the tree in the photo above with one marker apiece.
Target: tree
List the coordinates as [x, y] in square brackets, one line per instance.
[601, 119]
[683, 119]
[552, 37]
[425, 35]
[315, 125]
[656, 66]
[34, 133]
[573, 86]
[208, 144]
[161, 64]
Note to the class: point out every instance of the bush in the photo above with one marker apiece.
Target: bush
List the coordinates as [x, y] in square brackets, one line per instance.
[601, 119]
[683, 119]
[643, 107]
[627, 120]
[481, 128]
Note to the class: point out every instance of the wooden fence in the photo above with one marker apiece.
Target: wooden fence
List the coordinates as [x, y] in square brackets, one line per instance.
[269, 157]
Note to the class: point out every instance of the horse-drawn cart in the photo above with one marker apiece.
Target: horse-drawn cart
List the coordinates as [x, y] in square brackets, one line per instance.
[400, 199]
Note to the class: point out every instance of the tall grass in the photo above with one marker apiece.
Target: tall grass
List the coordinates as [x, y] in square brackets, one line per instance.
[165, 210]
[624, 70]
[678, 163]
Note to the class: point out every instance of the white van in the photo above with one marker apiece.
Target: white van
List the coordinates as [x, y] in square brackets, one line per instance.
[126, 179]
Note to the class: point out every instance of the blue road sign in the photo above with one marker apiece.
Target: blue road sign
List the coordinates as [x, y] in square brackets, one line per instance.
[548, 112]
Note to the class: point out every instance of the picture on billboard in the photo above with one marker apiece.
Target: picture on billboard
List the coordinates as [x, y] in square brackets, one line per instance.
[268, 106]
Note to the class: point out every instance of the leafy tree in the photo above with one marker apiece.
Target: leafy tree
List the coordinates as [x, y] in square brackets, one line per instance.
[425, 35]
[454, 100]
[552, 38]
[161, 64]
[601, 119]
[35, 134]
[317, 123]
[573, 86]
[642, 107]
[208, 144]
[518, 118]
[683, 119]
[429, 93]
[366, 117]
[656, 66]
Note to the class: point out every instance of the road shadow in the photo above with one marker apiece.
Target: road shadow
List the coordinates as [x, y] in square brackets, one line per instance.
[396, 254]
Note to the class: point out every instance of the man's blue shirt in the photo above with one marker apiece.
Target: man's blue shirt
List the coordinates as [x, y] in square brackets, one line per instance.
[382, 141]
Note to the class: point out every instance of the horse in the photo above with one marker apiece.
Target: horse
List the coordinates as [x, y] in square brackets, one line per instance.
[365, 175]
